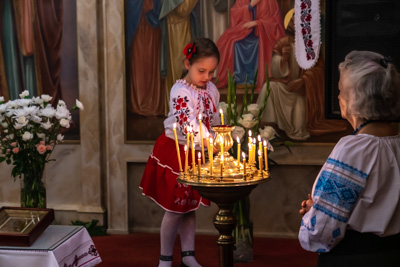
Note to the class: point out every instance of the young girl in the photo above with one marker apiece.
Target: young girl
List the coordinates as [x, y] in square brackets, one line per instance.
[192, 95]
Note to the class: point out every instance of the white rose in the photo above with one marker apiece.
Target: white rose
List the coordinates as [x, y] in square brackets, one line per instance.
[60, 137]
[32, 110]
[247, 121]
[10, 136]
[36, 119]
[46, 98]
[37, 100]
[62, 112]
[22, 120]
[61, 103]
[24, 94]
[22, 102]
[48, 112]
[1, 98]
[18, 126]
[27, 136]
[238, 132]
[3, 107]
[41, 135]
[254, 109]
[79, 104]
[267, 132]
[5, 131]
[64, 123]
[46, 125]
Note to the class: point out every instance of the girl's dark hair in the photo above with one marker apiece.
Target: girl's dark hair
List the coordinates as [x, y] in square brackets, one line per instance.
[204, 48]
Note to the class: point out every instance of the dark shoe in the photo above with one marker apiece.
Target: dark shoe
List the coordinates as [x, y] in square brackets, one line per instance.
[165, 258]
[184, 254]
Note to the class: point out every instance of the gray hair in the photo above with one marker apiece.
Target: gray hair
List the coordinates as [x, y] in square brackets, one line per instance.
[375, 93]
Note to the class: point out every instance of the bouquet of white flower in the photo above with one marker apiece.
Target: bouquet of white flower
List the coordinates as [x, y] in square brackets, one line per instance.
[30, 128]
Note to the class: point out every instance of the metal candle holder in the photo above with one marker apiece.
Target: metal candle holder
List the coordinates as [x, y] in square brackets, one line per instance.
[224, 186]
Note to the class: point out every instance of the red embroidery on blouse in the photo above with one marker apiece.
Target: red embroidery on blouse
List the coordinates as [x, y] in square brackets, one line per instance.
[182, 111]
[305, 17]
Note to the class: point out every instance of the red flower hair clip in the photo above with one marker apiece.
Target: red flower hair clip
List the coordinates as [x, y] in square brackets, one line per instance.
[189, 50]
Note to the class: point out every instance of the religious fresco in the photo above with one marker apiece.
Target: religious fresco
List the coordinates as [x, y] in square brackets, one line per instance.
[156, 33]
[38, 52]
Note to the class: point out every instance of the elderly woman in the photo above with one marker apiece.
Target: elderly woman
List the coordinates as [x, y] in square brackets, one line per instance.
[352, 217]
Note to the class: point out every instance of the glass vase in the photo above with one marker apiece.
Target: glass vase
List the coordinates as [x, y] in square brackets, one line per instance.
[33, 192]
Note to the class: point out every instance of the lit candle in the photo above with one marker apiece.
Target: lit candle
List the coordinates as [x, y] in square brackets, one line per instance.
[201, 138]
[249, 137]
[208, 142]
[186, 158]
[250, 154]
[244, 165]
[211, 155]
[199, 163]
[177, 148]
[260, 160]
[266, 155]
[188, 130]
[259, 144]
[238, 149]
[222, 116]
[192, 145]
[222, 165]
[193, 159]
[254, 149]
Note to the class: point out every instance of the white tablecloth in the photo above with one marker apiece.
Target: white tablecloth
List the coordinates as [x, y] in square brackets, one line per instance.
[58, 245]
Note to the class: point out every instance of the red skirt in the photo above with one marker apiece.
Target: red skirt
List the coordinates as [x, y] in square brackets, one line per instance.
[159, 179]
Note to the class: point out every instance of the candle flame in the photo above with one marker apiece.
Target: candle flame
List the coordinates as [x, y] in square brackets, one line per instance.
[259, 138]
[243, 155]
[237, 139]
[185, 148]
[249, 133]
[207, 135]
[199, 155]
[265, 143]
[200, 116]
[220, 110]
[259, 152]
[211, 141]
[174, 125]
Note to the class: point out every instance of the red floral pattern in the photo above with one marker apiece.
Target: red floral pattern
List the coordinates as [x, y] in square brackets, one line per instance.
[305, 17]
[182, 111]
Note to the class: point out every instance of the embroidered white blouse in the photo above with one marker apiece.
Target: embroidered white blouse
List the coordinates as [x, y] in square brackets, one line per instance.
[186, 103]
[358, 188]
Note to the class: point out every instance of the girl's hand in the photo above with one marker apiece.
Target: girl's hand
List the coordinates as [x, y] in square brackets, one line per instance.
[306, 205]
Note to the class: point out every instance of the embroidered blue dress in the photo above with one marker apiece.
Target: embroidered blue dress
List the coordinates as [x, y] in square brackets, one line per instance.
[358, 188]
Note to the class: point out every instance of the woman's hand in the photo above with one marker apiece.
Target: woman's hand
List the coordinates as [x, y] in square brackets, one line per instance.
[306, 205]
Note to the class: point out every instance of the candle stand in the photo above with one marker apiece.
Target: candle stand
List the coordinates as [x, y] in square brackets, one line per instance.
[224, 181]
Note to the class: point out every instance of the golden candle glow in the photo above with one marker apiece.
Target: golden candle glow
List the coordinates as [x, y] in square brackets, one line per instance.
[266, 155]
[199, 163]
[177, 148]
[201, 138]
[238, 149]
[211, 155]
[222, 150]
[186, 158]
[208, 143]
[260, 160]
[259, 144]
[222, 116]
[222, 165]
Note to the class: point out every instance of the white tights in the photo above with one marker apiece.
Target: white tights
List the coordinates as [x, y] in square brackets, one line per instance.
[171, 225]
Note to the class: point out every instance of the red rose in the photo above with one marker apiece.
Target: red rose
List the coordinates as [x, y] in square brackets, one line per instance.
[308, 17]
[310, 43]
[180, 100]
[184, 105]
[178, 107]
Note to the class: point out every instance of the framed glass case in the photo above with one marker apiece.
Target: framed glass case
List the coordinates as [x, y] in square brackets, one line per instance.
[22, 226]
